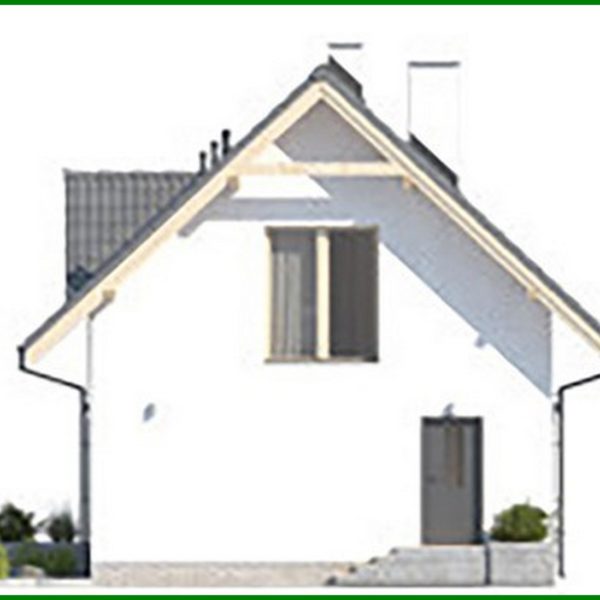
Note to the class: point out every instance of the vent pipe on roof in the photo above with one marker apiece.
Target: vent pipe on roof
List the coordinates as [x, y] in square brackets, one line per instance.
[225, 141]
[202, 169]
[349, 55]
[214, 154]
[433, 108]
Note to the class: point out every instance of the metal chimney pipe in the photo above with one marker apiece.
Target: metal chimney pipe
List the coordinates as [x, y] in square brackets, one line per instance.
[225, 141]
[214, 154]
[202, 169]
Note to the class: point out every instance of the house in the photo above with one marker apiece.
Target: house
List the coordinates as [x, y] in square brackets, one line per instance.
[310, 351]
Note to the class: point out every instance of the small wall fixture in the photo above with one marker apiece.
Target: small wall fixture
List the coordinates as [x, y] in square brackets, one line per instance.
[149, 412]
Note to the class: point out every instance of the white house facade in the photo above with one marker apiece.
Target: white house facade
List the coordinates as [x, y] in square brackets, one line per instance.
[310, 352]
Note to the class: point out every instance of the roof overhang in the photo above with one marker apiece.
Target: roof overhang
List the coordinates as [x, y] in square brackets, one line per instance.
[396, 162]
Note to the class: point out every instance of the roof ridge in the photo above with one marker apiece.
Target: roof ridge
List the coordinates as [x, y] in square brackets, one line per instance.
[333, 70]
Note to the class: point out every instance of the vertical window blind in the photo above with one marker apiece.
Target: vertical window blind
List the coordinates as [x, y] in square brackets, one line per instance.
[293, 302]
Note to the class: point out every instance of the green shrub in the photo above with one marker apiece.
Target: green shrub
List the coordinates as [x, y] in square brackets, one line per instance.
[520, 523]
[60, 527]
[56, 562]
[27, 554]
[60, 562]
[15, 524]
[4, 563]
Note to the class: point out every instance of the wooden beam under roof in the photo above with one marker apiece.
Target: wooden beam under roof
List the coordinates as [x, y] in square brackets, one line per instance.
[325, 169]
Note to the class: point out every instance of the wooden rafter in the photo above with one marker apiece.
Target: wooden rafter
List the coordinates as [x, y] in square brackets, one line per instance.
[325, 169]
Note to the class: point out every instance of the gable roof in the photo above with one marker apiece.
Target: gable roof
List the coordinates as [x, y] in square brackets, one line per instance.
[328, 83]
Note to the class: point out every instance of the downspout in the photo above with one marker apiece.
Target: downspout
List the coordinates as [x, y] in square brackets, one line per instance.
[559, 408]
[84, 444]
[84, 392]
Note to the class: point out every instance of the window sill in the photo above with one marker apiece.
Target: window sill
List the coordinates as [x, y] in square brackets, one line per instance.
[335, 360]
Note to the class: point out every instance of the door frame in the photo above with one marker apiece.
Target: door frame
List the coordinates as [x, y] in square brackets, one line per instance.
[478, 467]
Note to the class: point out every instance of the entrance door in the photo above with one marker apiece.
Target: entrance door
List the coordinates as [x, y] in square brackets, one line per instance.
[451, 475]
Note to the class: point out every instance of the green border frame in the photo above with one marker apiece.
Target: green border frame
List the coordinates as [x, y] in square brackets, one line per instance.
[49, 590]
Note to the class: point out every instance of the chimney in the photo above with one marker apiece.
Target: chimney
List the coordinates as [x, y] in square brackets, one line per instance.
[433, 108]
[350, 56]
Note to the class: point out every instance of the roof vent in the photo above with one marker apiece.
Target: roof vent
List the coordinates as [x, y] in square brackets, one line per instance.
[202, 166]
[345, 65]
[225, 142]
[214, 154]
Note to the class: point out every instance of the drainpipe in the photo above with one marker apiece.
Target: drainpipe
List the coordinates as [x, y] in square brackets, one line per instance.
[559, 408]
[84, 445]
[84, 392]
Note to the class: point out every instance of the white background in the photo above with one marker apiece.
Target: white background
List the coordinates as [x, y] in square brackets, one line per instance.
[129, 88]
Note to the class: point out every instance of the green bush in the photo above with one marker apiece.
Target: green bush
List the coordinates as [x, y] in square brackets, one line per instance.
[15, 524]
[60, 527]
[4, 563]
[56, 562]
[28, 554]
[60, 562]
[520, 523]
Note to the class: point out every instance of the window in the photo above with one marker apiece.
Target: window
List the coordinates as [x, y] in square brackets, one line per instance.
[323, 293]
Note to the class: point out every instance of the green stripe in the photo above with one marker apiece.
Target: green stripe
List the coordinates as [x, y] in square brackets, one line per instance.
[295, 595]
[302, 3]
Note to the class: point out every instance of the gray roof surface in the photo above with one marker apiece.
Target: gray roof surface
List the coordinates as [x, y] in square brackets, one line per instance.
[104, 212]
[332, 73]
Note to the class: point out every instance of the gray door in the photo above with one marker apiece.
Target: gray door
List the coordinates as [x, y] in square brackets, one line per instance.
[451, 471]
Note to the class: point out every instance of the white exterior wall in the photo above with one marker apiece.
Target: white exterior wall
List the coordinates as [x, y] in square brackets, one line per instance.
[245, 460]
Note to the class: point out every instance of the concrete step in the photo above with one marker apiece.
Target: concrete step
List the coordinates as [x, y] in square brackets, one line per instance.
[504, 564]
[421, 566]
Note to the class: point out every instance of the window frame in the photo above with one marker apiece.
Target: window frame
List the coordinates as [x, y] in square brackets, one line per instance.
[322, 353]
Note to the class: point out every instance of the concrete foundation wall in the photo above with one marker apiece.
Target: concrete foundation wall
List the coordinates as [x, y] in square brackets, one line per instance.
[215, 574]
